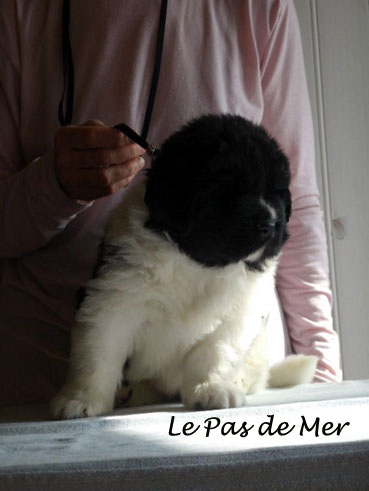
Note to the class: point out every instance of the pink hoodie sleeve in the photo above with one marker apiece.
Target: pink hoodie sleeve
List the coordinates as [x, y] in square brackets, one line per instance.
[303, 277]
[33, 207]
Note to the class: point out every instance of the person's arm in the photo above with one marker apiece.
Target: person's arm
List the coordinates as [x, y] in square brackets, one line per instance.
[39, 199]
[302, 278]
[33, 207]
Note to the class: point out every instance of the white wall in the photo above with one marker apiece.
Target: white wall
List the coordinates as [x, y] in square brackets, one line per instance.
[335, 35]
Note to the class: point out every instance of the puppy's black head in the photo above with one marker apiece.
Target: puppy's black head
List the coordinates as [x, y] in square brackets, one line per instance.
[219, 188]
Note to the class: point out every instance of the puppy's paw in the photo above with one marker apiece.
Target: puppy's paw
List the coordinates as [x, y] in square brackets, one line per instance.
[213, 395]
[74, 403]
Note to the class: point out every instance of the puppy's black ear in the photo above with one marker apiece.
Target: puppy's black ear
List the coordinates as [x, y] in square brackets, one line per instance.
[169, 184]
[166, 199]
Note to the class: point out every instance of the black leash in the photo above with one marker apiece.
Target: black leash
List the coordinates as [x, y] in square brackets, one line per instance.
[68, 87]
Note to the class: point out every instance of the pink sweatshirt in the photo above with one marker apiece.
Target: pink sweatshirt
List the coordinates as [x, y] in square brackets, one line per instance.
[231, 56]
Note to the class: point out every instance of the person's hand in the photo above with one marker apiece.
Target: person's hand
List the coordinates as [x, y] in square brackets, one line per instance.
[94, 160]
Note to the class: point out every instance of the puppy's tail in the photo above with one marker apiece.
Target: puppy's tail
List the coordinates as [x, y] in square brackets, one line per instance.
[293, 370]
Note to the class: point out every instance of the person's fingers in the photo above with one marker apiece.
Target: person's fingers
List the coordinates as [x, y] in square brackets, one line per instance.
[118, 185]
[91, 194]
[90, 184]
[104, 177]
[94, 160]
[102, 157]
[89, 137]
[93, 122]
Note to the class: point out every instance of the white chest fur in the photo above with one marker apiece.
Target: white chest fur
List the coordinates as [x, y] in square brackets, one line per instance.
[159, 303]
[188, 328]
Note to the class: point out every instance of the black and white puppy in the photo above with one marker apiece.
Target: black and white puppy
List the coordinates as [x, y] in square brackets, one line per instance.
[187, 278]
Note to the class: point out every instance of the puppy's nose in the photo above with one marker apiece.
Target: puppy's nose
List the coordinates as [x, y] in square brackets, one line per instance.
[266, 227]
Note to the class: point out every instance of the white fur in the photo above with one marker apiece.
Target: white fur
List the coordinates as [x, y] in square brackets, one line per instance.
[185, 328]
[293, 370]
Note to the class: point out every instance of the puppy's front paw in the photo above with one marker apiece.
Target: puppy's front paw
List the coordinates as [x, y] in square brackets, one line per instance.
[75, 403]
[213, 395]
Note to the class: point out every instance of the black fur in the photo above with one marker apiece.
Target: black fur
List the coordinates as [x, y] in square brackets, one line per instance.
[204, 190]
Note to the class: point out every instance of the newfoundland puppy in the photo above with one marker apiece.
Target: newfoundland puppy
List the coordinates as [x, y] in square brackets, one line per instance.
[179, 303]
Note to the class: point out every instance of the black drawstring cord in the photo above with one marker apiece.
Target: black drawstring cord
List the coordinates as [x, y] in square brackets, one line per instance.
[68, 70]
[156, 71]
[128, 131]
[68, 87]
